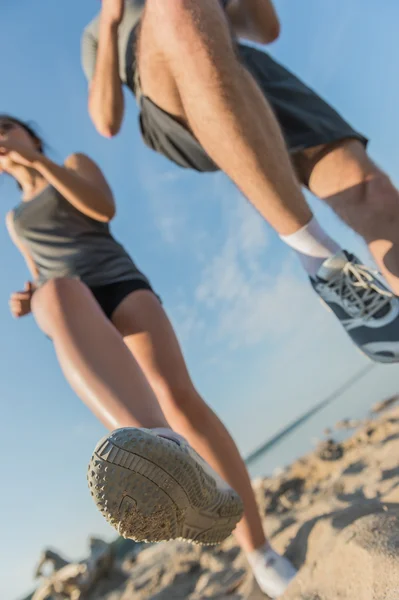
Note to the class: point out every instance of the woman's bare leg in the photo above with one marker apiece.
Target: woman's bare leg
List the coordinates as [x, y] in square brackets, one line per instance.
[93, 357]
[148, 333]
[147, 487]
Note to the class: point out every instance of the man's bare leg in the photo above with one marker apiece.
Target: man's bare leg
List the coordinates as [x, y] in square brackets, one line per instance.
[363, 196]
[189, 68]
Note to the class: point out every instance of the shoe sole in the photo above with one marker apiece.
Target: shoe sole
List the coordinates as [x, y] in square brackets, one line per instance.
[151, 490]
[384, 360]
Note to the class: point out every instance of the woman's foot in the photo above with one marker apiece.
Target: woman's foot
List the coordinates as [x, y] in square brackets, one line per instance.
[272, 571]
[154, 487]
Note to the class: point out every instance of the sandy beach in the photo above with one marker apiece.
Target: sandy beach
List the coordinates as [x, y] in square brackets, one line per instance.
[334, 513]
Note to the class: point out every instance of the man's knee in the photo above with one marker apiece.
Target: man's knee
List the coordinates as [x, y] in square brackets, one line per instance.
[170, 14]
[180, 19]
[179, 10]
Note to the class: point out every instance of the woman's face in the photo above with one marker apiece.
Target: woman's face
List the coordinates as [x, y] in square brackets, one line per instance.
[14, 132]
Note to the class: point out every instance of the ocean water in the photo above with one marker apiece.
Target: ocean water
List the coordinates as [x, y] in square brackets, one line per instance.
[353, 401]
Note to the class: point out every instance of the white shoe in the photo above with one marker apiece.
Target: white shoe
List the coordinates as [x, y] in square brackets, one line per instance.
[272, 571]
[151, 488]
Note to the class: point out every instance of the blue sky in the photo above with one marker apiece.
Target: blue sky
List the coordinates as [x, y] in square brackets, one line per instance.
[259, 345]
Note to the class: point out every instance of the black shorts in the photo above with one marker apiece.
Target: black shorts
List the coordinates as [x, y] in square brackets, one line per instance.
[306, 119]
[110, 296]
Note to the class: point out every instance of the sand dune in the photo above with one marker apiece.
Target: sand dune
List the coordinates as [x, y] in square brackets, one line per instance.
[335, 513]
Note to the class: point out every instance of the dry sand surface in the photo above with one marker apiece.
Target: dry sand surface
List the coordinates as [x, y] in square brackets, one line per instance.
[335, 513]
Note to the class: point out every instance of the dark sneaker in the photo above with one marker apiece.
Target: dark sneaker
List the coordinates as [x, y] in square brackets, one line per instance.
[367, 310]
[154, 489]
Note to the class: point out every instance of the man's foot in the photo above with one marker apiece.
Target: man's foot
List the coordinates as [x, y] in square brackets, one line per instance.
[154, 489]
[272, 571]
[368, 311]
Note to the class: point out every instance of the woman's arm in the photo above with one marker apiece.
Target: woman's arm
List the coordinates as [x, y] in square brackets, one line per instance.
[28, 259]
[106, 101]
[81, 182]
[254, 20]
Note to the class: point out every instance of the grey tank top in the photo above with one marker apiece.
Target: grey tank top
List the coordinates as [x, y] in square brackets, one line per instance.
[133, 11]
[63, 242]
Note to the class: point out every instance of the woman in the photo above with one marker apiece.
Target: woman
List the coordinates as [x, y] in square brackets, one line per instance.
[119, 353]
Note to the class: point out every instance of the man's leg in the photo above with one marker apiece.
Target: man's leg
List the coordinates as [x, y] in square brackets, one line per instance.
[363, 196]
[342, 174]
[189, 68]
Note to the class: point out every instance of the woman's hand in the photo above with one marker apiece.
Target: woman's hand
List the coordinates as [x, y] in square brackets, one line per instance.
[112, 11]
[20, 302]
[14, 153]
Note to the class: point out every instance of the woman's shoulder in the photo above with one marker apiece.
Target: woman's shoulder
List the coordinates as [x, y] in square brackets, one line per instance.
[80, 161]
[87, 168]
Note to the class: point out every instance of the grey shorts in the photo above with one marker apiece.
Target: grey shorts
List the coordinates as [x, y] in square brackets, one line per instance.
[305, 119]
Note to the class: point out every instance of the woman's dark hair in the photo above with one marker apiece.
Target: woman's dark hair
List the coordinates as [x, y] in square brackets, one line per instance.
[28, 128]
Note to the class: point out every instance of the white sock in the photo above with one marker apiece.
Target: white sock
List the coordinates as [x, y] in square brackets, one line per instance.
[272, 571]
[312, 245]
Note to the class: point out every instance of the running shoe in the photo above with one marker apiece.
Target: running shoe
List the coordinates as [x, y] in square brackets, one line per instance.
[152, 489]
[367, 310]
